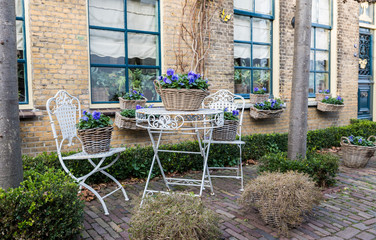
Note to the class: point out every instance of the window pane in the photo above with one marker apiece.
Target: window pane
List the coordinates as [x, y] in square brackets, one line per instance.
[19, 8]
[263, 6]
[366, 12]
[142, 15]
[322, 61]
[324, 12]
[21, 82]
[311, 83]
[109, 13]
[315, 12]
[322, 38]
[261, 30]
[243, 5]
[261, 56]
[106, 83]
[242, 81]
[261, 78]
[322, 81]
[312, 61]
[242, 54]
[143, 79]
[142, 49]
[20, 40]
[107, 47]
[242, 28]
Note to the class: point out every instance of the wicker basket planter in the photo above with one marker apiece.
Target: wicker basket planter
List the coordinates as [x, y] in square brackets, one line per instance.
[257, 98]
[126, 123]
[356, 156]
[227, 132]
[324, 107]
[264, 114]
[321, 96]
[180, 99]
[131, 104]
[96, 140]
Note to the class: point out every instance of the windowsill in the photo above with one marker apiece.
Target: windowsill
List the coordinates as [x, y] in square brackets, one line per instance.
[27, 114]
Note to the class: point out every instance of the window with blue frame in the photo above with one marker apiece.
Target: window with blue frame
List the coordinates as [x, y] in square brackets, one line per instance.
[320, 46]
[124, 48]
[21, 53]
[253, 22]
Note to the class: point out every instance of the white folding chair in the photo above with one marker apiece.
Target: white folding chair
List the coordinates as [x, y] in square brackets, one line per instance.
[221, 100]
[64, 108]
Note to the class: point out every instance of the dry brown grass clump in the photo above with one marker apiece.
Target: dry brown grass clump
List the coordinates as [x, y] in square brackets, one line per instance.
[283, 199]
[174, 216]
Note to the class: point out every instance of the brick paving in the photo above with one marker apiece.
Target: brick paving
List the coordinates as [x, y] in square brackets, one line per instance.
[346, 214]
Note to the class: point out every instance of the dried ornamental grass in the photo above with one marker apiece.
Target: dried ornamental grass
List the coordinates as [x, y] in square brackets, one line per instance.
[283, 199]
[174, 216]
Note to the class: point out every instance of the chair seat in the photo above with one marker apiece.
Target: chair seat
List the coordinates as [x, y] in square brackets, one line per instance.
[237, 142]
[84, 155]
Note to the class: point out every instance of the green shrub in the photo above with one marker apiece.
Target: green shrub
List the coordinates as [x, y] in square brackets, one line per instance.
[322, 168]
[174, 216]
[45, 206]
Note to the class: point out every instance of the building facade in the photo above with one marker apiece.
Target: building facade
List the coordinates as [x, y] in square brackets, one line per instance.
[95, 49]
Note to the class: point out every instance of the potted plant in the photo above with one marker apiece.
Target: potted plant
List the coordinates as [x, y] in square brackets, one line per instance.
[329, 104]
[240, 86]
[126, 119]
[271, 108]
[95, 132]
[322, 94]
[230, 126]
[357, 151]
[132, 99]
[182, 92]
[258, 95]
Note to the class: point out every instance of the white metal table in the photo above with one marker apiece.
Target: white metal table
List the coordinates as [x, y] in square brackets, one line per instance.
[159, 121]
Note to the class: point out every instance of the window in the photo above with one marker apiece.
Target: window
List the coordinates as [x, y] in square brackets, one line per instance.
[21, 53]
[124, 48]
[319, 78]
[252, 45]
[366, 12]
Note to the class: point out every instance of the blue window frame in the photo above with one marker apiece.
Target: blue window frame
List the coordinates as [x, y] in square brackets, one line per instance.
[319, 78]
[21, 53]
[124, 48]
[253, 46]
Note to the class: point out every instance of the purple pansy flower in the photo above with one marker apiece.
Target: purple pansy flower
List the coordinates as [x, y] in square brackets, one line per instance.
[256, 89]
[85, 118]
[327, 91]
[84, 112]
[339, 98]
[138, 107]
[235, 112]
[160, 78]
[142, 94]
[191, 79]
[170, 72]
[320, 91]
[351, 138]
[175, 77]
[360, 140]
[264, 88]
[226, 109]
[191, 73]
[134, 91]
[151, 106]
[326, 97]
[96, 115]
[166, 80]
[181, 84]
[198, 75]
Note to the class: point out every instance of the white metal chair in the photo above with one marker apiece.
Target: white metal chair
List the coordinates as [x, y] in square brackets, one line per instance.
[65, 107]
[221, 100]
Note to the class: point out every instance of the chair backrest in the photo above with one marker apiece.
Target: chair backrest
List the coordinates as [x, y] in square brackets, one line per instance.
[225, 99]
[64, 107]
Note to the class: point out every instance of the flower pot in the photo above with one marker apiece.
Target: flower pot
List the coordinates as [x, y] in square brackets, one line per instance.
[126, 123]
[324, 107]
[257, 98]
[180, 99]
[131, 104]
[96, 140]
[263, 114]
[356, 156]
[227, 132]
[321, 96]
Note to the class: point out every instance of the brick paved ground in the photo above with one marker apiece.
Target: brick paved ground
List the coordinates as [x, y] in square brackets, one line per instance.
[346, 214]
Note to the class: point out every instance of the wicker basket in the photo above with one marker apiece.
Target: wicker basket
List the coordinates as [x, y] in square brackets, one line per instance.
[263, 114]
[131, 104]
[227, 132]
[321, 96]
[324, 107]
[180, 99]
[96, 140]
[126, 123]
[356, 156]
[257, 98]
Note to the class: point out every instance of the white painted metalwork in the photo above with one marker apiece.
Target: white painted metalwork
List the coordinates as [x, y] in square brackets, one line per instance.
[64, 108]
[221, 100]
[159, 121]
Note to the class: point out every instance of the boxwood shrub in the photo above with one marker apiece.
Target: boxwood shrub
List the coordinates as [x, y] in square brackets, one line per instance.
[45, 206]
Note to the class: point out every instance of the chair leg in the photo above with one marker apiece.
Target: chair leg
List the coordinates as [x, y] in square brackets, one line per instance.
[241, 168]
[97, 195]
[117, 182]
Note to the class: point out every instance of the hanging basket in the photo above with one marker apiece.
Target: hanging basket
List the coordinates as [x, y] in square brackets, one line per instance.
[258, 98]
[126, 123]
[356, 156]
[96, 140]
[180, 99]
[227, 132]
[131, 104]
[321, 96]
[264, 114]
[324, 107]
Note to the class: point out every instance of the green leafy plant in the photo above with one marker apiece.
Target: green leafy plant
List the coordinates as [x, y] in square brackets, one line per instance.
[330, 100]
[360, 141]
[133, 95]
[257, 90]
[179, 81]
[233, 115]
[326, 91]
[95, 120]
[45, 206]
[270, 104]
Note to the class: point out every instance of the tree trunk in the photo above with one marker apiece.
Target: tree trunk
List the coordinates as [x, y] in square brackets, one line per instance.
[297, 140]
[10, 149]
